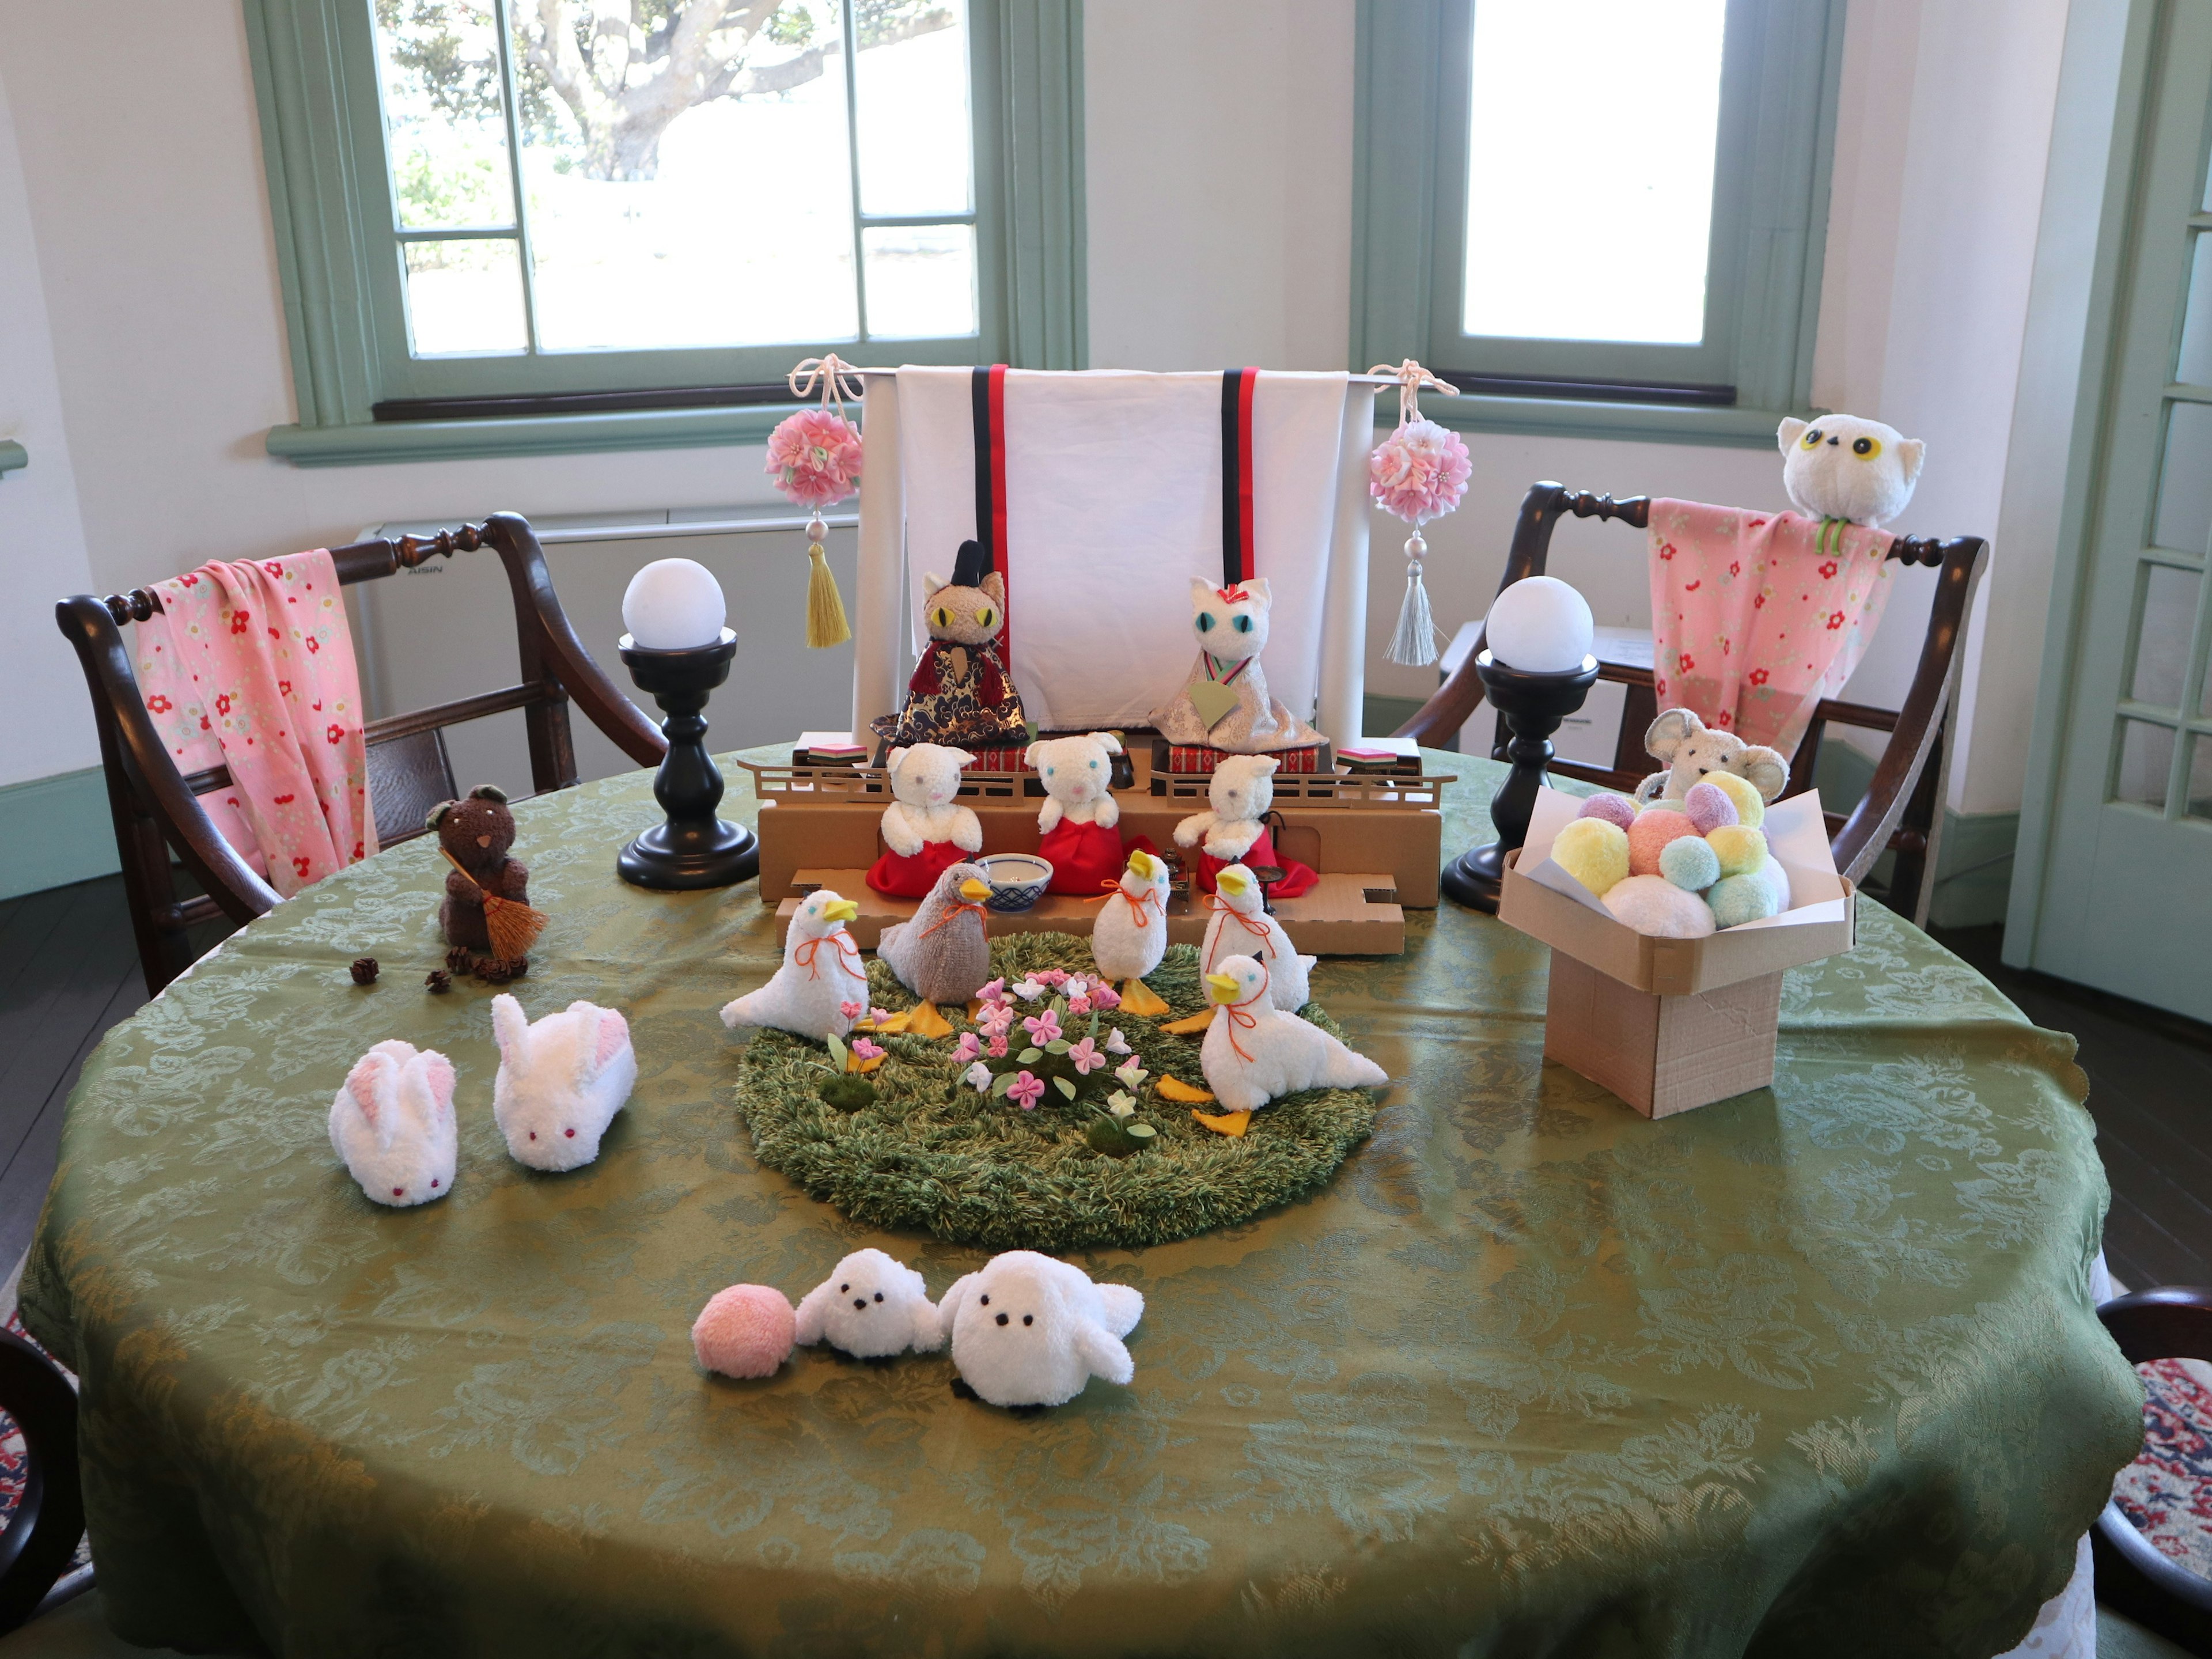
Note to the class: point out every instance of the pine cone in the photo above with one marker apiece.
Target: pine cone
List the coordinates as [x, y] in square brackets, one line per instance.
[438, 982]
[518, 967]
[364, 970]
[492, 971]
[460, 959]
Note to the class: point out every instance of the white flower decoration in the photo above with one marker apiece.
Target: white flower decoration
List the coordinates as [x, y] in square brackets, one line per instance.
[1119, 1104]
[978, 1078]
[1116, 1043]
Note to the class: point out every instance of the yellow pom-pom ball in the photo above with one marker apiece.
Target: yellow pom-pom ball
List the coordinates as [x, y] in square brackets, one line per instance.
[1750, 804]
[1741, 850]
[1595, 853]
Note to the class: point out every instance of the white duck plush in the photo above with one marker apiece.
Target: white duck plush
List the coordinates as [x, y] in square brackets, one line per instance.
[1239, 793]
[561, 1081]
[1241, 926]
[1027, 1330]
[1131, 934]
[871, 1306]
[925, 783]
[392, 1125]
[1255, 1053]
[822, 976]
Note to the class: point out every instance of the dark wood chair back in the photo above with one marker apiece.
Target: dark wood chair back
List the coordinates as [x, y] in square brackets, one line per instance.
[1903, 808]
[2172, 1321]
[156, 808]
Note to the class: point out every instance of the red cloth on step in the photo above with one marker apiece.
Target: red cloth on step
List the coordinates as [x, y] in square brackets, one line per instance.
[912, 875]
[1298, 878]
[1086, 858]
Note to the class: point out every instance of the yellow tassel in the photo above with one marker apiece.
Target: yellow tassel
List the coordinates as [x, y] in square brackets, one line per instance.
[825, 607]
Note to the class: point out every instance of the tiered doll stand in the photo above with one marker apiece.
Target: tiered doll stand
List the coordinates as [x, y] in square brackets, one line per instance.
[1376, 839]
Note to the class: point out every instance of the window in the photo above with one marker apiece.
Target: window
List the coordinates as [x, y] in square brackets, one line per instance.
[1597, 216]
[510, 226]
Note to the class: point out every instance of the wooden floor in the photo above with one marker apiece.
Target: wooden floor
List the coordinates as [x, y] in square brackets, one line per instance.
[69, 970]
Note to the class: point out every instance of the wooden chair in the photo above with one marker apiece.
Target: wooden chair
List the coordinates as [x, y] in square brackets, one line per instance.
[2170, 1322]
[156, 808]
[1904, 805]
[42, 1534]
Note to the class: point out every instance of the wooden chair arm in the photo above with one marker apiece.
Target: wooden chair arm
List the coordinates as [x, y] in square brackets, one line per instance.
[1920, 722]
[226, 877]
[2173, 1321]
[36, 1548]
[538, 611]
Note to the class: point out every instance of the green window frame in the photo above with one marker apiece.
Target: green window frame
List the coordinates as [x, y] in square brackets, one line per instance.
[338, 250]
[1780, 68]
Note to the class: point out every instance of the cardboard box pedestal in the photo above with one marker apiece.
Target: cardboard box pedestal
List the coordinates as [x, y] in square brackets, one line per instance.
[1666, 1024]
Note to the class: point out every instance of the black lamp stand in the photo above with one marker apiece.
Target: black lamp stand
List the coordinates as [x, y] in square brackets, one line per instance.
[694, 848]
[1532, 706]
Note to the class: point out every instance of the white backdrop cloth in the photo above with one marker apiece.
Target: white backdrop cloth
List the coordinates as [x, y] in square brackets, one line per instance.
[1112, 503]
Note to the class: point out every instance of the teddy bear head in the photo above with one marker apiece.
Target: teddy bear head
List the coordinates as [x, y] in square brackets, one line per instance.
[1690, 749]
[1231, 622]
[971, 608]
[1842, 467]
[927, 775]
[1075, 770]
[477, 830]
[1240, 790]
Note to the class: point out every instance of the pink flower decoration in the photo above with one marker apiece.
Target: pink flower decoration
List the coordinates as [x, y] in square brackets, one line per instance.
[1043, 1028]
[1078, 1003]
[849, 1010]
[967, 1048]
[1086, 1057]
[996, 1020]
[1104, 996]
[993, 993]
[1025, 1090]
[996, 1047]
[879, 1015]
[864, 1049]
[1420, 471]
[1052, 976]
[815, 456]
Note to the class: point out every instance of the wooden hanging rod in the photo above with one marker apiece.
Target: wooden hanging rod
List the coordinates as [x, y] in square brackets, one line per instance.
[360, 561]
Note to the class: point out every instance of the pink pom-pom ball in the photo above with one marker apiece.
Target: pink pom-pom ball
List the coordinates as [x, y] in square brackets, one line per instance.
[1420, 471]
[1653, 829]
[815, 456]
[745, 1331]
[1709, 807]
[1613, 809]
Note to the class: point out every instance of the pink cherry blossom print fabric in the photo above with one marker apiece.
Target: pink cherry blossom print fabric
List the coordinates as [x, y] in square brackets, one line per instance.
[250, 664]
[1756, 616]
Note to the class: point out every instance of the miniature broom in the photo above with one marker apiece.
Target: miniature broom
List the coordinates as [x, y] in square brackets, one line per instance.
[513, 925]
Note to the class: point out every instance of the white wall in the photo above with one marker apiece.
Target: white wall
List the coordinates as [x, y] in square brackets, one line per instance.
[1219, 186]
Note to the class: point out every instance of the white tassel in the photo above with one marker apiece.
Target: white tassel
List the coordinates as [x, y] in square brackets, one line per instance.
[1413, 643]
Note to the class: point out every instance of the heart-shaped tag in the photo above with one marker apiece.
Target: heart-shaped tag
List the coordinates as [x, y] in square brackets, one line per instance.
[1212, 701]
[959, 656]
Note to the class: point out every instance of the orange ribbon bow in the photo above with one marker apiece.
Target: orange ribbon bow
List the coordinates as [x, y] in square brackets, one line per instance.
[806, 954]
[955, 911]
[1237, 1016]
[1258, 930]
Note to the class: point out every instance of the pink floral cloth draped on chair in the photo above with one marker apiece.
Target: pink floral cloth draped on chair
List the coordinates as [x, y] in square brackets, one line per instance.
[249, 665]
[1756, 616]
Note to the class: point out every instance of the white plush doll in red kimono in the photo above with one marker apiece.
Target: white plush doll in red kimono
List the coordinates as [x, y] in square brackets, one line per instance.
[1236, 830]
[926, 829]
[1080, 812]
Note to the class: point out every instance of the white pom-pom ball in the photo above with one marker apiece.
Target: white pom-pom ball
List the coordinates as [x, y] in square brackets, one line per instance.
[674, 604]
[1539, 625]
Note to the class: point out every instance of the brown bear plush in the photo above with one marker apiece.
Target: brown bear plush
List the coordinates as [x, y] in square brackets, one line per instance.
[475, 833]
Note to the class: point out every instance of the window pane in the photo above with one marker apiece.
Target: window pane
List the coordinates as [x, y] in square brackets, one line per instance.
[438, 62]
[464, 297]
[698, 220]
[2185, 484]
[922, 281]
[914, 130]
[2195, 366]
[2169, 621]
[2146, 757]
[1590, 168]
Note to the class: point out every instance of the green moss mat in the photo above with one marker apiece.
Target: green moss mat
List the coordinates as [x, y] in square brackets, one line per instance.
[933, 1154]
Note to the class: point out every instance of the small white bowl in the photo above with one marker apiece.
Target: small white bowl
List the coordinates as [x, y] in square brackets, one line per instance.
[1017, 880]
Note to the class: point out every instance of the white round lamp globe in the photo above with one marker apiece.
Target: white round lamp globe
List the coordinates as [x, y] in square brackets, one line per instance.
[1539, 625]
[674, 604]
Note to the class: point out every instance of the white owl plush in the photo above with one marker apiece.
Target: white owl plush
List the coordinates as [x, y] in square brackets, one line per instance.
[1224, 703]
[871, 1306]
[393, 1124]
[1842, 467]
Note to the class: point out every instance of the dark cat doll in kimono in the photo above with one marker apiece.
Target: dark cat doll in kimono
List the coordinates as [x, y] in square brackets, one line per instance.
[960, 694]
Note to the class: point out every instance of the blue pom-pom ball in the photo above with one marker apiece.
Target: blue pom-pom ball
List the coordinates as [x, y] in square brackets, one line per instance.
[1690, 863]
[1738, 899]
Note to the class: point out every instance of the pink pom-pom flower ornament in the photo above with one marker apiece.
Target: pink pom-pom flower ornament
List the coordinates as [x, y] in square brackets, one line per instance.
[814, 456]
[1416, 473]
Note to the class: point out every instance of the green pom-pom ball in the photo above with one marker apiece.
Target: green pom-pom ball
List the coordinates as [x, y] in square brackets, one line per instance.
[1690, 863]
[1738, 899]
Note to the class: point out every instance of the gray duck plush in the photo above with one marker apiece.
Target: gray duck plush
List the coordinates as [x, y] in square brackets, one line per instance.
[942, 955]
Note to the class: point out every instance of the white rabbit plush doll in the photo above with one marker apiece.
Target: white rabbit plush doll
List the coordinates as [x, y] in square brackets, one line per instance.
[393, 1124]
[871, 1306]
[1027, 1330]
[561, 1081]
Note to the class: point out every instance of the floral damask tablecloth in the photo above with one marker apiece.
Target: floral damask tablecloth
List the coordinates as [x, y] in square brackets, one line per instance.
[1810, 1371]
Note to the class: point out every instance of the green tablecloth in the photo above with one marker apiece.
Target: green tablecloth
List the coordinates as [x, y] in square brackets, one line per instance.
[1814, 1371]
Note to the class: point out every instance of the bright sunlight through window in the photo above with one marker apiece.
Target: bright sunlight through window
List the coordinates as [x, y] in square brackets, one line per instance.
[686, 181]
[1590, 168]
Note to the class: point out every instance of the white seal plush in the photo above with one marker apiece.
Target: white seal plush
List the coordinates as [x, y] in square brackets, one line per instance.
[392, 1127]
[1242, 926]
[821, 977]
[872, 1306]
[1255, 1053]
[561, 1081]
[1842, 467]
[1131, 934]
[1027, 1330]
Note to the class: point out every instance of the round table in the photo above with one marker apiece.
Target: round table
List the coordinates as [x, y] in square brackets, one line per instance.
[1812, 1371]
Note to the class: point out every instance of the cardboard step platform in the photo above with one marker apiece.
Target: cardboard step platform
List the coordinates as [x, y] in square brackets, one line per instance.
[1344, 914]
